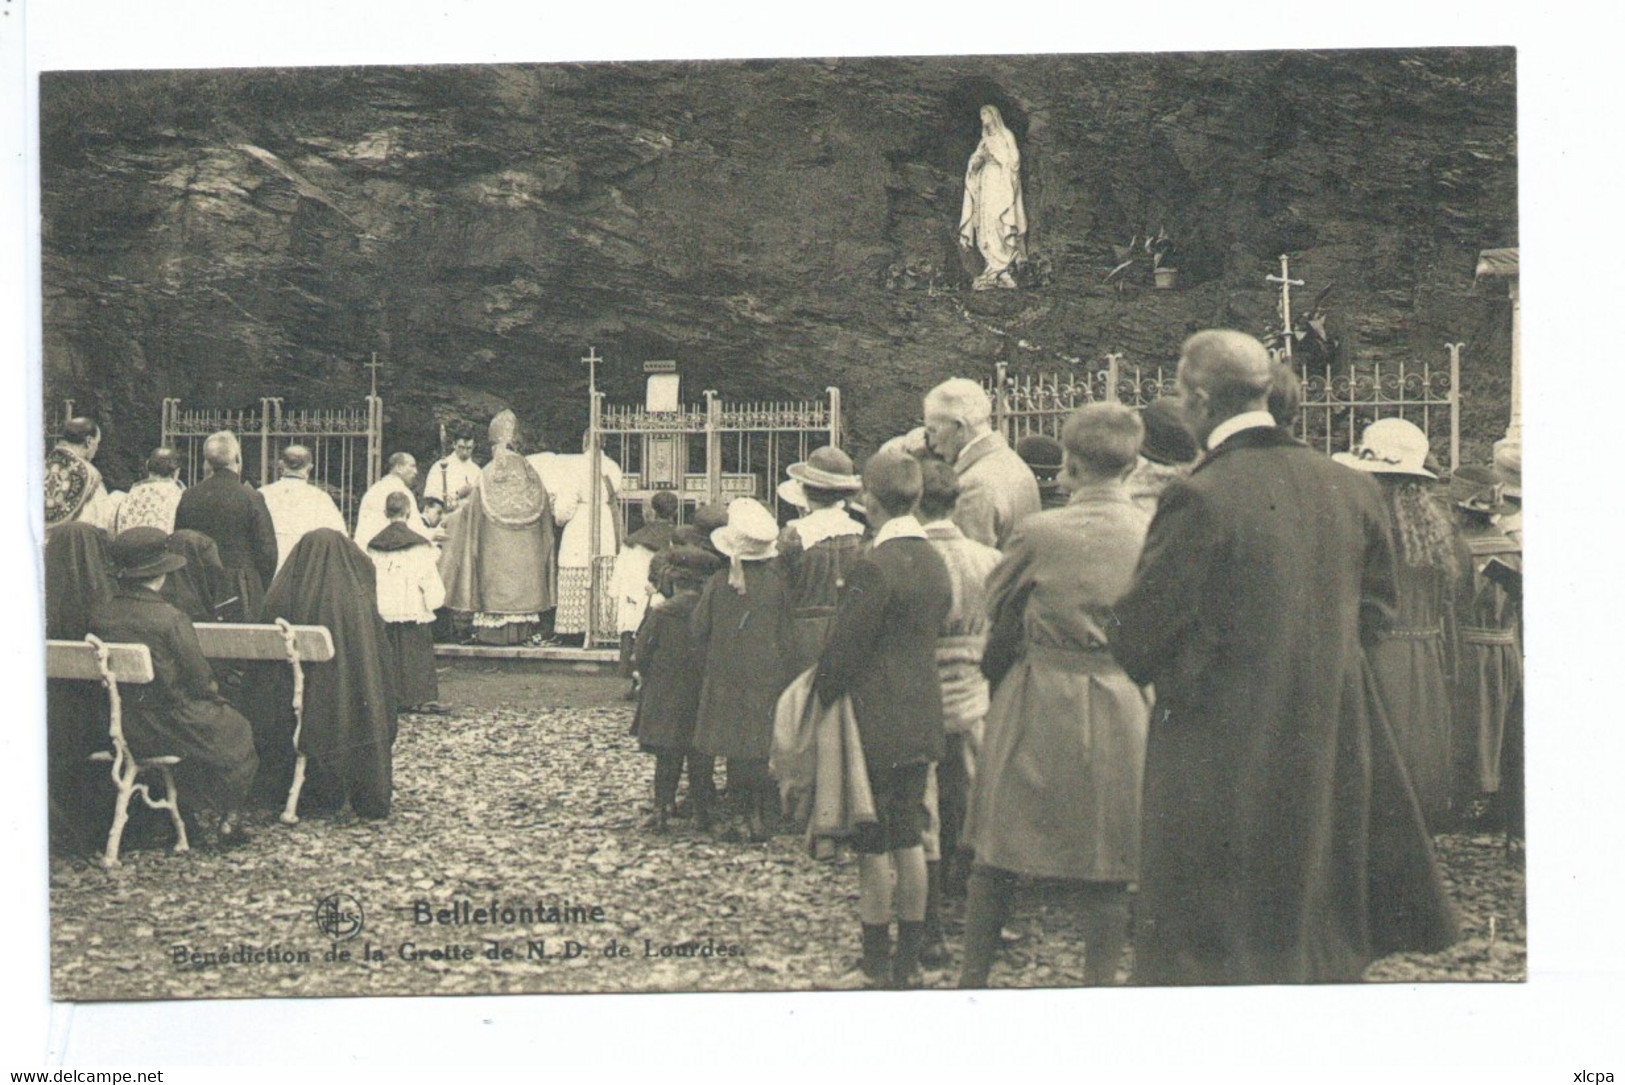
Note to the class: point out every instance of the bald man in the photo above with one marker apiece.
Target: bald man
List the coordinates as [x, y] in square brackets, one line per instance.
[73, 486]
[153, 500]
[297, 506]
[1281, 843]
[233, 514]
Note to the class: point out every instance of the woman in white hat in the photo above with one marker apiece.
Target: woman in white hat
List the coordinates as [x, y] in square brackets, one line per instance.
[817, 549]
[1409, 660]
[740, 620]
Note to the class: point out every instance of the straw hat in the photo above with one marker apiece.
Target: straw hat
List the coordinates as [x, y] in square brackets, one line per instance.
[1390, 446]
[751, 533]
[139, 554]
[791, 493]
[826, 468]
[1476, 489]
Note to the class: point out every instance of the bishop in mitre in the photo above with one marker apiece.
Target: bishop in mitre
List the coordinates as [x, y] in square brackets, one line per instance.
[498, 557]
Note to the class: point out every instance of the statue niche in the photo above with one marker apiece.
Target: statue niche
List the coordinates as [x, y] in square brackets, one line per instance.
[993, 220]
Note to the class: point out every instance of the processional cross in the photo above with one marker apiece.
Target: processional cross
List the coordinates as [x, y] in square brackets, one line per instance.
[374, 365]
[1287, 283]
[591, 362]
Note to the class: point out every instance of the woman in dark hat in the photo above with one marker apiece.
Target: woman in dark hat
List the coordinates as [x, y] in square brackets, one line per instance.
[350, 702]
[1410, 663]
[78, 579]
[1167, 452]
[672, 662]
[180, 712]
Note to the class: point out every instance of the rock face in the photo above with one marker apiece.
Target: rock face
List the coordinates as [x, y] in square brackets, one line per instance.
[775, 226]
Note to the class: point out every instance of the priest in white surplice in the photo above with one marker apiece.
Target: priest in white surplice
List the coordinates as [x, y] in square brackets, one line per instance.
[452, 479]
[298, 506]
[371, 518]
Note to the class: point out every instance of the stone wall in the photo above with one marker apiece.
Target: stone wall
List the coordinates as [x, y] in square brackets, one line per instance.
[774, 226]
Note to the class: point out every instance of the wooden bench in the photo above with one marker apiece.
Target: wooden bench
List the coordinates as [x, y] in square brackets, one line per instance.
[295, 644]
[92, 660]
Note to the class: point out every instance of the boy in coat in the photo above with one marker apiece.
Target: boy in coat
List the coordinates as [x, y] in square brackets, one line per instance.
[882, 652]
[671, 661]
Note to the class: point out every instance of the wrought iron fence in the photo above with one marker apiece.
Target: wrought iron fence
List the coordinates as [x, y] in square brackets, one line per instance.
[714, 451]
[346, 443]
[1339, 400]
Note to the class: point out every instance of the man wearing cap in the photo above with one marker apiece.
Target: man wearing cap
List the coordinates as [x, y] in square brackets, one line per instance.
[882, 652]
[180, 712]
[152, 501]
[233, 514]
[1042, 454]
[1166, 453]
[1280, 840]
[297, 507]
[73, 486]
[816, 550]
[996, 488]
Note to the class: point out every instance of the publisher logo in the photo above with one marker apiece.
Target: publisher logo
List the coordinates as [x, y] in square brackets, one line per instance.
[338, 916]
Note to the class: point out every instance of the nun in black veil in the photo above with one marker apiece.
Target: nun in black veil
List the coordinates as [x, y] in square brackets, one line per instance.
[350, 703]
[78, 578]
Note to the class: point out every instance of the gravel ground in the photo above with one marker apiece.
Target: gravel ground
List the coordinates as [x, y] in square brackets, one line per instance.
[537, 808]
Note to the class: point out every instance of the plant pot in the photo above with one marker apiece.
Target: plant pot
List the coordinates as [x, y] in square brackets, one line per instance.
[1167, 277]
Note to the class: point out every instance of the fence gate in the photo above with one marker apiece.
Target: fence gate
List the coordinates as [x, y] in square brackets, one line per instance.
[346, 444]
[1339, 400]
[707, 452]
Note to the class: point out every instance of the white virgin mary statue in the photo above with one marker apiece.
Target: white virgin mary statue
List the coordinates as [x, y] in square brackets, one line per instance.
[993, 220]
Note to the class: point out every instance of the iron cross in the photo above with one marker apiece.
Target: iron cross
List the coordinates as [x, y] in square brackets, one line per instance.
[1287, 283]
[591, 362]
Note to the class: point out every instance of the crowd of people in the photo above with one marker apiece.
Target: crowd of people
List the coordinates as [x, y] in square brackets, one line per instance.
[1175, 659]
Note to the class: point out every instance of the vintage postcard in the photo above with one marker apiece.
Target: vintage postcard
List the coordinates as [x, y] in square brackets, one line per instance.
[567, 312]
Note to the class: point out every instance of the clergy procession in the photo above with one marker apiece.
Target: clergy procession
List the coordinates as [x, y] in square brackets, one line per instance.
[1217, 688]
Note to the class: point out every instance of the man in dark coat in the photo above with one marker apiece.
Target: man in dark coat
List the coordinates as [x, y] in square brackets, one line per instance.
[180, 712]
[1282, 842]
[882, 652]
[234, 515]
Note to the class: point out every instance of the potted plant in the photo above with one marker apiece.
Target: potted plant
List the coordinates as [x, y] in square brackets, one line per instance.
[1161, 249]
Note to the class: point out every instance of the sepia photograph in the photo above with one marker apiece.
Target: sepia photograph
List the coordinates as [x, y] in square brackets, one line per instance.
[470, 489]
[980, 524]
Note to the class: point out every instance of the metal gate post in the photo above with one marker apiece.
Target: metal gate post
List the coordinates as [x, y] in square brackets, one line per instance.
[1001, 405]
[1455, 403]
[713, 447]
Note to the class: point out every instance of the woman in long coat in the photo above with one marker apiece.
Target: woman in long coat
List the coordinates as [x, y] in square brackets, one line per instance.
[1410, 661]
[350, 702]
[1490, 655]
[78, 579]
[1057, 790]
[741, 618]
